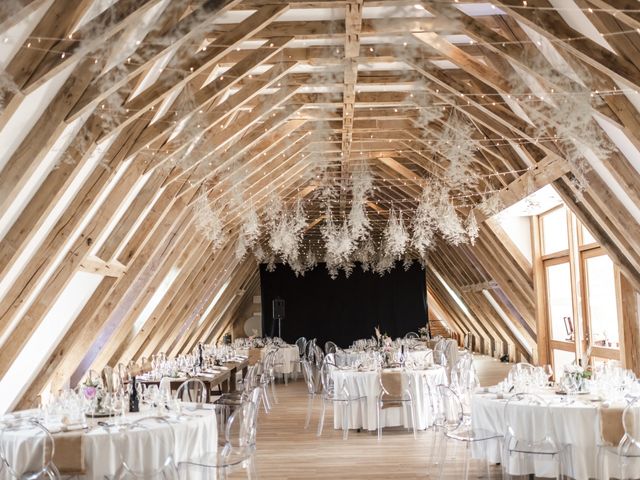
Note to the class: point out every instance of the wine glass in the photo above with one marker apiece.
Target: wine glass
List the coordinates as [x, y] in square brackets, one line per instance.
[549, 372]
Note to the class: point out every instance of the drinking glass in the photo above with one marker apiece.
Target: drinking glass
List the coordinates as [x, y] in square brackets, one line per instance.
[549, 372]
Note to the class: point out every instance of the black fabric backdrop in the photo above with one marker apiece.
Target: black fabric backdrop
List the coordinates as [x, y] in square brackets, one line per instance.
[344, 309]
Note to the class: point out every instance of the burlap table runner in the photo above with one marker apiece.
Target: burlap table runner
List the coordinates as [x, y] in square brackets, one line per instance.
[392, 383]
[68, 454]
[255, 355]
[611, 426]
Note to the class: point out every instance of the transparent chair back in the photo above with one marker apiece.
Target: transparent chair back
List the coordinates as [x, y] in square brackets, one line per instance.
[241, 428]
[412, 335]
[193, 391]
[450, 412]
[330, 347]
[309, 378]
[157, 462]
[27, 450]
[326, 378]
[540, 439]
[301, 343]
[630, 445]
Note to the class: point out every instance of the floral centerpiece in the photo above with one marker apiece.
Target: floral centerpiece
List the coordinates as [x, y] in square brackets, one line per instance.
[94, 393]
[385, 345]
[90, 388]
[424, 332]
[573, 378]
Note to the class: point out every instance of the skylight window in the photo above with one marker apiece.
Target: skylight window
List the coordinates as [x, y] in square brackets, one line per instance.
[155, 299]
[213, 302]
[53, 327]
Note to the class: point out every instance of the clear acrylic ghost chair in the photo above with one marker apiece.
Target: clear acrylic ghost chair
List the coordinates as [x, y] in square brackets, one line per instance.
[156, 431]
[528, 440]
[393, 394]
[339, 398]
[455, 425]
[238, 448]
[330, 347]
[193, 391]
[619, 440]
[31, 460]
[301, 343]
[464, 379]
[262, 380]
[250, 383]
[312, 388]
[270, 362]
[412, 335]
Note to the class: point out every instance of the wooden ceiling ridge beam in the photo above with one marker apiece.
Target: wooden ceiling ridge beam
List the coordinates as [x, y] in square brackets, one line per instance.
[119, 81]
[319, 29]
[353, 27]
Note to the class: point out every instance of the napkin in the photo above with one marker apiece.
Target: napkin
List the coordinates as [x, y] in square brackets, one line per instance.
[68, 454]
[612, 429]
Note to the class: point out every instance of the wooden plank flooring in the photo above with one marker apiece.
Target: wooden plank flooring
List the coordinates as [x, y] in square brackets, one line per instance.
[287, 451]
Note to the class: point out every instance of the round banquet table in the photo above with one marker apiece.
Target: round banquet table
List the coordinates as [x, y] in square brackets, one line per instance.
[574, 420]
[352, 358]
[365, 384]
[287, 358]
[195, 433]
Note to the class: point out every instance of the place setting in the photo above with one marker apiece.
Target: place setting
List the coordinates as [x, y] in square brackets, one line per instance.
[345, 239]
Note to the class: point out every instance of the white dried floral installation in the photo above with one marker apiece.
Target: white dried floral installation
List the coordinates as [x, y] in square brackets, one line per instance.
[409, 235]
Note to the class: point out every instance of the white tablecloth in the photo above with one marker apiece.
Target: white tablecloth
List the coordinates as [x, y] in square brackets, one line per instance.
[195, 434]
[352, 358]
[286, 359]
[365, 384]
[575, 425]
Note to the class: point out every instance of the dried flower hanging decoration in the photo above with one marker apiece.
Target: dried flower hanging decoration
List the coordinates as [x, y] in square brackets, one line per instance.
[395, 236]
[208, 222]
[287, 231]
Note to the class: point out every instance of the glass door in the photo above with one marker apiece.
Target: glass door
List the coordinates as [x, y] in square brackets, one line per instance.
[562, 328]
[600, 308]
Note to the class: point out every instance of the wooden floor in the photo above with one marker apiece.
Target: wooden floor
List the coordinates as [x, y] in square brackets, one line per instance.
[287, 451]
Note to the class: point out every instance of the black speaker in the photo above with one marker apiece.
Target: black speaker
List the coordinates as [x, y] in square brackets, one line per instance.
[278, 308]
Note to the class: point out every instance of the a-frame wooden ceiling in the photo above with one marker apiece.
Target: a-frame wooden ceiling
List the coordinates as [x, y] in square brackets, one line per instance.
[118, 114]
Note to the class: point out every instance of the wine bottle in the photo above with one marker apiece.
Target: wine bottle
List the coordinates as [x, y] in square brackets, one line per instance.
[134, 405]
